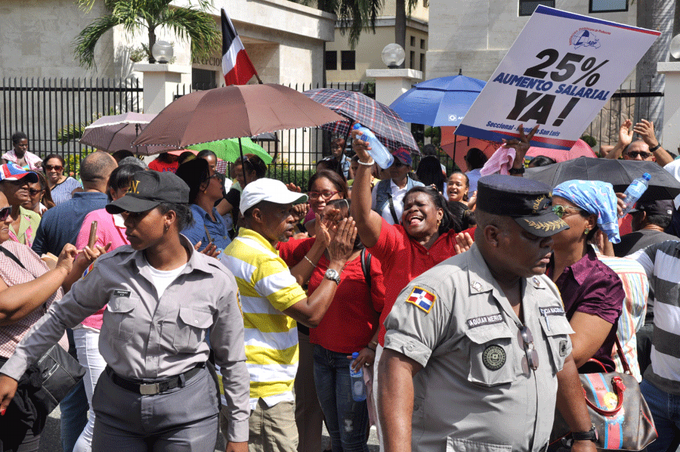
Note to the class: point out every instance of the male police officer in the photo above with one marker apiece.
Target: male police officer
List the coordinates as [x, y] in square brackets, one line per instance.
[477, 351]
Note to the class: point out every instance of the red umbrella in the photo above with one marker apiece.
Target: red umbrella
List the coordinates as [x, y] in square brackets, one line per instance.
[457, 146]
[232, 112]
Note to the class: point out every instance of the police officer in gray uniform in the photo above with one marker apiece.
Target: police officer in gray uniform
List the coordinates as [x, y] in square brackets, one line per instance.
[162, 298]
[477, 351]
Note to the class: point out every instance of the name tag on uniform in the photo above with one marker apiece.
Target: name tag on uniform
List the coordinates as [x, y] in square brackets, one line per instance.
[121, 293]
[484, 320]
[552, 310]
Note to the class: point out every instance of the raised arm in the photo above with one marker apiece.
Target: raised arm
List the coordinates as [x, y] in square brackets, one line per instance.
[369, 223]
[645, 129]
[310, 311]
[625, 138]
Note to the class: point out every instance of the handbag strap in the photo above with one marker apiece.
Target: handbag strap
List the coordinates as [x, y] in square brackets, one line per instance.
[624, 361]
[11, 255]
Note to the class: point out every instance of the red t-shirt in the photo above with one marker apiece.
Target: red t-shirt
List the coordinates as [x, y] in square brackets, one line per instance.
[352, 318]
[402, 259]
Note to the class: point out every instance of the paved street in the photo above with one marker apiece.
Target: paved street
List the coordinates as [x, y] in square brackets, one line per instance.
[50, 440]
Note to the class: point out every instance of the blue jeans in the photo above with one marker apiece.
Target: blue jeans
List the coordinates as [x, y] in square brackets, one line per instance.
[73, 408]
[347, 420]
[665, 410]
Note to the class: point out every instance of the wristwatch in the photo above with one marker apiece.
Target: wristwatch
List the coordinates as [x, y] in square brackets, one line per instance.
[516, 170]
[590, 435]
[333, 275]
[654, 148]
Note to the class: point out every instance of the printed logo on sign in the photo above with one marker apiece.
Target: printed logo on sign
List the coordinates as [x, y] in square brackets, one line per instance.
[584, 37]
[422, 299]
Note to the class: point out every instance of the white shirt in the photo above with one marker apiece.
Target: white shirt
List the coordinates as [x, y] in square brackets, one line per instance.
[397, 198]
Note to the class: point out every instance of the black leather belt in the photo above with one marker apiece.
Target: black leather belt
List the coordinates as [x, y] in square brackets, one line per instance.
[155, 387]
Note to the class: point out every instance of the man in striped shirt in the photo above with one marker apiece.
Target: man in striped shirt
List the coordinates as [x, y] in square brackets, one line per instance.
[661, 381]
[273, 301]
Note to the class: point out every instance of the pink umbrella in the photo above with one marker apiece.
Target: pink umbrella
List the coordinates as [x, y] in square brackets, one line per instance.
[579, 149]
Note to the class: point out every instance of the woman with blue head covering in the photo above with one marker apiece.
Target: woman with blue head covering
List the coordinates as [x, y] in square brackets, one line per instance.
[592, 293]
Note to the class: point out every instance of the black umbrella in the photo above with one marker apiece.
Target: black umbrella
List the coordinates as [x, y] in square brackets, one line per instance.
[619, 173]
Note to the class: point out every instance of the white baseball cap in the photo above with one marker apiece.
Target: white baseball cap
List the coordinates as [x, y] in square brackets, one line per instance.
[270, 190]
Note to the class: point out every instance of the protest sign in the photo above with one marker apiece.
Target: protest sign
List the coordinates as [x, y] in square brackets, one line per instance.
[559, 73]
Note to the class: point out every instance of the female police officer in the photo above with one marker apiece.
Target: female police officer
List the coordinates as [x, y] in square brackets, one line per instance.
[156, 393]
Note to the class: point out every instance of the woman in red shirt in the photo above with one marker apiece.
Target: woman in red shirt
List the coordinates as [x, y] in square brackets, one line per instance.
[349, 325]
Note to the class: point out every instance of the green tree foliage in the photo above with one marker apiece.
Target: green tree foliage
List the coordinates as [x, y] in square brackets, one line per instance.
[147, 15]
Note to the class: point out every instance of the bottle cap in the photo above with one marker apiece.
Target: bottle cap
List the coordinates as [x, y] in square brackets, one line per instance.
[355, 355]
[356, 126]
[646, 176]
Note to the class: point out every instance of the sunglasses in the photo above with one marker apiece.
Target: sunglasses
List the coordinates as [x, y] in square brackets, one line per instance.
[54, 167]
[324, 194]
[397, 163]
[561, 210]
[529, 350]
[4, 213]
[643, 154]
[34, 191]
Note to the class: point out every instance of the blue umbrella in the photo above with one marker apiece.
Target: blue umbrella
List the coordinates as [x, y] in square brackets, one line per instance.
[441, 101]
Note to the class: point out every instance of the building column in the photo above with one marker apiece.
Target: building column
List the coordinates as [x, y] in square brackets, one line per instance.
[160, 83]
[671, 125]
[392, 83]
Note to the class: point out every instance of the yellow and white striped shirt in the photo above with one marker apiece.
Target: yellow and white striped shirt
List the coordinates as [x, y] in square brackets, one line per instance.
[267, 288]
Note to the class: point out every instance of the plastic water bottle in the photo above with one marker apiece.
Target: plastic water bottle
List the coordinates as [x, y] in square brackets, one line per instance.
[380, 154]
[634, 192]
[357, 381]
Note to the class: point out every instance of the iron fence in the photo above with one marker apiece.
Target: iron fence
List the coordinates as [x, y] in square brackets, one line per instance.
[52, 112]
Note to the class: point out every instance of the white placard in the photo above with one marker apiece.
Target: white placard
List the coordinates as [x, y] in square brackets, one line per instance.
[559, 73]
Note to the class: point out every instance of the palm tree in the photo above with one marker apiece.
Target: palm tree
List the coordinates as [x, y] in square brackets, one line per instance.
[137, 15]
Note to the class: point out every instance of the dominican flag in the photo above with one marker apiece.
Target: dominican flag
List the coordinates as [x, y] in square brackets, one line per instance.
[236, 65]
[422, 299]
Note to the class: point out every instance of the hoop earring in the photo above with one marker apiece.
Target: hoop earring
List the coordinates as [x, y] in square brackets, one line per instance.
[586, 231]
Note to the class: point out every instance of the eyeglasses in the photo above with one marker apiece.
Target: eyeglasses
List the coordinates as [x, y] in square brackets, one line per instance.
[34, 191]
[54, 167]
[643, 154]
[561, 210]
[324, 194]
[529, 350]
[4, 213]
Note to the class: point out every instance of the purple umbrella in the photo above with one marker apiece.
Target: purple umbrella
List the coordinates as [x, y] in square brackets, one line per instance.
[116, 132]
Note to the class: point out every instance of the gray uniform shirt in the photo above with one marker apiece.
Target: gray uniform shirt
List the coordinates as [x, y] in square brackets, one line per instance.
[147, 338]
[476, 391]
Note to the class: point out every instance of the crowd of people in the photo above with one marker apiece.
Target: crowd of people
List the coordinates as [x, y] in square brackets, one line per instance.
[208, 303]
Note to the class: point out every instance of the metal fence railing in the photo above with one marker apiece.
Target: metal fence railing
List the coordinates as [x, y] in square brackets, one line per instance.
[52, 111]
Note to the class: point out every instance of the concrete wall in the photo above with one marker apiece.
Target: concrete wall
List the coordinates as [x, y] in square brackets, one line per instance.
[370, 47]
[475, 35]
[285, 40]
[36, 38]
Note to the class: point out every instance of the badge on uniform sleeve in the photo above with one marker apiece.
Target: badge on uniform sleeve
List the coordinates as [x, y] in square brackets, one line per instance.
[88, 270]
[422, 299]
[493, 357]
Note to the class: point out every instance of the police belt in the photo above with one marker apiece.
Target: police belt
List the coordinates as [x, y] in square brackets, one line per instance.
[154, 387]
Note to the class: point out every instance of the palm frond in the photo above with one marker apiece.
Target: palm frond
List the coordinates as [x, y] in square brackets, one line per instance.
[197, 25]
[85, 42]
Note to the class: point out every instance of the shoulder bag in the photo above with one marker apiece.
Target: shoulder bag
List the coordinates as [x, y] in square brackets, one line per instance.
[59, 371]
[617, 409]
